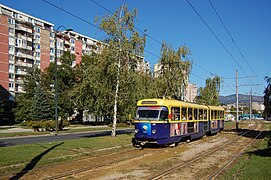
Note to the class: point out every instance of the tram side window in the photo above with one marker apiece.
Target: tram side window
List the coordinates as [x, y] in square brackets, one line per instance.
[205, 114]
[190, 117]
[221, 115]
[195, 113]
[163, 115]
[175, 113]
[201, 114]
[184, 113]
[215, 112]
[212, 114]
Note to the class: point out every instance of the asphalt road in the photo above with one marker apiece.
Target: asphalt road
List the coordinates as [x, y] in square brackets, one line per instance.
[13, 141]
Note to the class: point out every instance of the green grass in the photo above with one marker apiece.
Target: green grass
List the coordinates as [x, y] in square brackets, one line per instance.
[254, 164]
[15, 158]
[229, 125]
[14, 134]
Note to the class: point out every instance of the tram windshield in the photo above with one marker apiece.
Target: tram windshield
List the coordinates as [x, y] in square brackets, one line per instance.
[152, 113]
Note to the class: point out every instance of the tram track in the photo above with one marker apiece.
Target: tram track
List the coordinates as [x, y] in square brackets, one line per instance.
[194, 163]
[93, 166]
[87, 163]
[238, 154]
[158, 152]
[78, 161]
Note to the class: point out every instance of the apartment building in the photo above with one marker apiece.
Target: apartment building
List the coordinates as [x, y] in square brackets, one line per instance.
[191, 92]
[24, 43]
[27, 42]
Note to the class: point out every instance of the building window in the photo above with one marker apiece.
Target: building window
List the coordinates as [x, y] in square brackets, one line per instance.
[11, 48]
[11, 30]
[37, 63]
[37, 37]
[52, 58]
[72, 41]
[37, 29]
[72, 48]
[11, 76]
[37, 54]
[38, 46]
[51, 50]
[11, 21]
[30, 20]
[11, 85]
[11, 57]
[15, 15]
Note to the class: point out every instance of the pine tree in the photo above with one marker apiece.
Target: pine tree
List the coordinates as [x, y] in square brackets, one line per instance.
[41, 108]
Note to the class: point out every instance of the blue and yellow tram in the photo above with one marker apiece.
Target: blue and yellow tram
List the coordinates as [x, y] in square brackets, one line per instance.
[169, 121]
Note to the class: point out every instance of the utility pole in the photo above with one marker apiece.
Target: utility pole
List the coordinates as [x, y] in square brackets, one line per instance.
[237, 105]
[250, 105]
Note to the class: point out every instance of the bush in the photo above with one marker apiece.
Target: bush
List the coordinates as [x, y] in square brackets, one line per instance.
[65, 123]
[120, 125]
[35, 125]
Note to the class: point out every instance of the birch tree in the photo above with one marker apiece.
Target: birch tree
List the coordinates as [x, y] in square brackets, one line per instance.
[126, 42]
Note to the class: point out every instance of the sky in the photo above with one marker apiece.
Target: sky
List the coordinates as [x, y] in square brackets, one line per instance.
[243, 46]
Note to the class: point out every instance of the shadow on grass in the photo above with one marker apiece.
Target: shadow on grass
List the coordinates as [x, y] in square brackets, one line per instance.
[264, 152]
[33, 163]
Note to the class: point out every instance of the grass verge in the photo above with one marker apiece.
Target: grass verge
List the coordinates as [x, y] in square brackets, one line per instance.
[71, 130]
[255, 163]
[15, 158]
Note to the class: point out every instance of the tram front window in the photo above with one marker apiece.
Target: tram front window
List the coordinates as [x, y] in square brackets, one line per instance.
[152, 113]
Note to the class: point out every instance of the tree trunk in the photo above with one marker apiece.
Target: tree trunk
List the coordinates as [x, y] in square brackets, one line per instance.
[114, 126]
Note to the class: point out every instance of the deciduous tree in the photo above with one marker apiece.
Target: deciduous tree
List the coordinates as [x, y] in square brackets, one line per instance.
[173, 76]
[210, 93]
[267, 98]
[125, 43]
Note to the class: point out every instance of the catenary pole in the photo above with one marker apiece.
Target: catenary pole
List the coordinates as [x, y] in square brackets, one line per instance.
[237, 105]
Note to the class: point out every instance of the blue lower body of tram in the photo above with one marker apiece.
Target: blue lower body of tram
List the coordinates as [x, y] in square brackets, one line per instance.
[173, 133]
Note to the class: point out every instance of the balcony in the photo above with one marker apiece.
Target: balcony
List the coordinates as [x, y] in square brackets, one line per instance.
[67, 43]
[20, 72]
[22, 28]
[23, 64]
[23, 46]
[23, 55]
[19, 90]
[11, 89]
[27, 38]
[19, 81]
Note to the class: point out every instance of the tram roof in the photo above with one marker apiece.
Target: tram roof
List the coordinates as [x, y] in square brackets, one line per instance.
[174, 102]
[169, 102]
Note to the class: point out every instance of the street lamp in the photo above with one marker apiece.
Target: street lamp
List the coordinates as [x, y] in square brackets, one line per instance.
[56, 88]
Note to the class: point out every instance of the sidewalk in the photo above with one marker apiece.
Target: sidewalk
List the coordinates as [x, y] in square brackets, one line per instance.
[13, 129]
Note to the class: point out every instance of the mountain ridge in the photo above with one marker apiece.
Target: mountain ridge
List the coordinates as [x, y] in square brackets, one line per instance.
[242, 99]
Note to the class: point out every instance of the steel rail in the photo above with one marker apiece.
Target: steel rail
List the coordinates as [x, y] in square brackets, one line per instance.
[200, 156]
[236, 155]
[76, 160]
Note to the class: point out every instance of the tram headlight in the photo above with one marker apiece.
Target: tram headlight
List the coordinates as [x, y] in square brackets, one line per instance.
[153, 131]
[136, 131]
